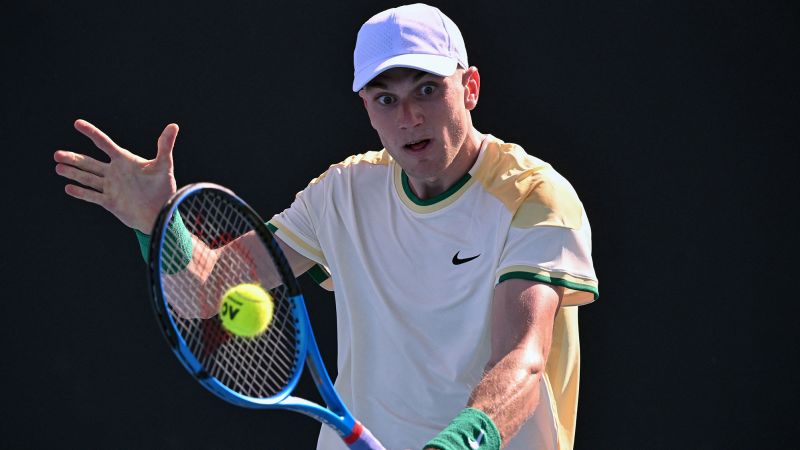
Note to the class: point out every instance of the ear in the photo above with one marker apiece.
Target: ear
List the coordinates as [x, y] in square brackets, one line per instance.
[472, 87]
[363, 94]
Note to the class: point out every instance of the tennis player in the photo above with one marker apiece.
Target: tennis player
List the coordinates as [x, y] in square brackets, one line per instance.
[457, 260]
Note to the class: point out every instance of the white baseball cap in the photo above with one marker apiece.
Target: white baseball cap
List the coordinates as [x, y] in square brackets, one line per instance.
[416, 36]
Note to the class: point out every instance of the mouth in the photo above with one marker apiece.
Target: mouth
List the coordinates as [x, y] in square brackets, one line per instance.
[416, 146]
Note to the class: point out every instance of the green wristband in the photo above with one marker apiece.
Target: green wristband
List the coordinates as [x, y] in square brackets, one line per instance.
[144, 243]
[472, 429]
[177, 249]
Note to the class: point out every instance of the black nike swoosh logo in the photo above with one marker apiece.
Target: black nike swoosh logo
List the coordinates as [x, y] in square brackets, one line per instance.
[457, 260]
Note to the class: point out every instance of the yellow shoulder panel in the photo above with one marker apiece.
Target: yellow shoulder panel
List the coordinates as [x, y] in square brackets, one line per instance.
[529, 187]
[376, 158]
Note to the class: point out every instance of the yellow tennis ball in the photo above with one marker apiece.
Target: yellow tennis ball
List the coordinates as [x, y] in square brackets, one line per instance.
[246, 310]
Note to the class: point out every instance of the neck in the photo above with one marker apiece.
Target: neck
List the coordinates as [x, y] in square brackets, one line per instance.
[463, 161]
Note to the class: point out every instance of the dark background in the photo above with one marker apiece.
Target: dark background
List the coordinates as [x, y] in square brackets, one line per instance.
[676, 122]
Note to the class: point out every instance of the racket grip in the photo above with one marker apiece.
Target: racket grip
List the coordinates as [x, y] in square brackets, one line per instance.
[364, 440]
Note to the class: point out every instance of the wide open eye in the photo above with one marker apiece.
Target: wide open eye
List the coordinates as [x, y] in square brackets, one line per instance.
[427, 89]
[385, 99]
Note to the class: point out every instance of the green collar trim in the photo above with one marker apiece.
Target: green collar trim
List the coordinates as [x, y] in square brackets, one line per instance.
[433, 200]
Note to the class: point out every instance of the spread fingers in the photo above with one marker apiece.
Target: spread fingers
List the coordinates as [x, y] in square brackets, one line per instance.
[100, 139]
[82, 162]
[81, 176]
[84, 194]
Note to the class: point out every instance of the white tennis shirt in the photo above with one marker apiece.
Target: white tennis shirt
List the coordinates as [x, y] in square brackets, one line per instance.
[414, 279]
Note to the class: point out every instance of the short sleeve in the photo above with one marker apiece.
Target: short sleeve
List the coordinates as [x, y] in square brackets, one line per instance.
[296, 225]
[310, 225]
[557, 255]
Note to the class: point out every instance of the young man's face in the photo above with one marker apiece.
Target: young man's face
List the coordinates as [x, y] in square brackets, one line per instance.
[422, 119]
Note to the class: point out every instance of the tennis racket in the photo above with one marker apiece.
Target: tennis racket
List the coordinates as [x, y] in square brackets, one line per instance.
[205, 241]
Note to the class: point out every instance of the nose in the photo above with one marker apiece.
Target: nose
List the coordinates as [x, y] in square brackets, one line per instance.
[409, 115]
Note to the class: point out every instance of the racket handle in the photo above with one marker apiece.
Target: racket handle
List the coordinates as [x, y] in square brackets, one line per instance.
[362, 439]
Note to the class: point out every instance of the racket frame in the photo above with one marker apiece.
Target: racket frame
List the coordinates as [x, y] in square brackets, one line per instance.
[336, 415]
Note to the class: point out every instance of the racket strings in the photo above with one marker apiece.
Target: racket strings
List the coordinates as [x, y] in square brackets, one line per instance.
[259, 367]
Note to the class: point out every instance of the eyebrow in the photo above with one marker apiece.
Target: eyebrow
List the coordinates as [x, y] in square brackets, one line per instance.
[377, 83]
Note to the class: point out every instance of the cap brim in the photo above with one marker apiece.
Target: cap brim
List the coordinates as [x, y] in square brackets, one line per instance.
[435, 64]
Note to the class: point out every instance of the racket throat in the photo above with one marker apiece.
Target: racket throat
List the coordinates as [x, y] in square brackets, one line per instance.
[344, 424]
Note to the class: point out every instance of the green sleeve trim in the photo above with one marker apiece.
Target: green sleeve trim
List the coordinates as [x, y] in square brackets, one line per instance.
[471, 429]
[318, 274]
[177, 246]
[550, 280]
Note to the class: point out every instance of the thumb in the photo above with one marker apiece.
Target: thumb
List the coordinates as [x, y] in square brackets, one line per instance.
[166, 142]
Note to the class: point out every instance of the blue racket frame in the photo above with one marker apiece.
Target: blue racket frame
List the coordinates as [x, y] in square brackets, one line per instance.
[336, 415]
